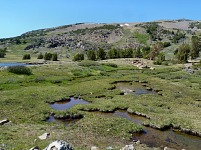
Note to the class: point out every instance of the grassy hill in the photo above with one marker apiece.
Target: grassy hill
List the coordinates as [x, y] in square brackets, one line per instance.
[68, 40]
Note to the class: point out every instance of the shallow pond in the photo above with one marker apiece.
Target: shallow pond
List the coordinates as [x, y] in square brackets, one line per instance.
[68, 103]
[156, 138]
[133, 88]
[12, 64]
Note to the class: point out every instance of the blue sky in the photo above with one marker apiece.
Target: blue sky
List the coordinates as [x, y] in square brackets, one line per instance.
[19, 16]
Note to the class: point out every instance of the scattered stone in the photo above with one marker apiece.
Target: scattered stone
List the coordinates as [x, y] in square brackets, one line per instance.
[35, 148]
[109, 148]
[59, 145]
[94, 148]
[2, 122]
[138, 142]
[128, 147]
[44, 136]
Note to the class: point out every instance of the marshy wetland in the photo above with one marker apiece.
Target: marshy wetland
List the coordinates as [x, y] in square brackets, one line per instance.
[115, 106]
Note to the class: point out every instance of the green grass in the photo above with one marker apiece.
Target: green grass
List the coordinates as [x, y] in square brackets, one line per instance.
[25, 102]
[142, 38]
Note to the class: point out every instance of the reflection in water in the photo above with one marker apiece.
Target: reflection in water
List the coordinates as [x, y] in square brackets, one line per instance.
[134, 88]
[63, 105]
[156, 138]
[66, 122]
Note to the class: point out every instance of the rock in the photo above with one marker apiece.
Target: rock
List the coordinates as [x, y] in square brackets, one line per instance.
[94, 148]
[128, 147]
[59, 145]
[109, 148]
[44, 136]
[2, 122]
[35, 148]
[138, 142]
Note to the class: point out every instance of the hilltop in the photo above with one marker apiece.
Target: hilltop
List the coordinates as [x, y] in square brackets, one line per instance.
[68, 40]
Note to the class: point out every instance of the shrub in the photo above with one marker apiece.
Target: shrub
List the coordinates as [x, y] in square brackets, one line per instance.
[91, 55]
[26, 56]
[2, 53]
[40, 56]
[48, 56]
[54, 57]
[166, 44]
[78, 57]
[19, 70]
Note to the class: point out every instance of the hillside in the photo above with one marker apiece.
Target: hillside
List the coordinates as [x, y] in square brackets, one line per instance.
[70, 39]
[103, 86]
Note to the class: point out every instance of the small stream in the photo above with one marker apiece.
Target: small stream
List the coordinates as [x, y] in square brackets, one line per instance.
[156, 138]
[151, 137]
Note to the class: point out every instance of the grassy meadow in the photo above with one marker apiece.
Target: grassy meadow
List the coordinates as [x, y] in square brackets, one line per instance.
[25, 99]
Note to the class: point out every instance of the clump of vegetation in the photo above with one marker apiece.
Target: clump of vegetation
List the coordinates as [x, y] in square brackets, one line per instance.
[78, 57]
[50, 56]
[155, 50]
[2, 52]
[40, 56]
[91, 54]
[166, 44]
[178, 36]
[183, 53]
[152, 30]
[26, 56]
[20, 70]
[101, 54]
[195, 24]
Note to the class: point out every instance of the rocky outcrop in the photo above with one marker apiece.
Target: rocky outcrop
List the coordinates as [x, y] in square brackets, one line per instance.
[59, 145]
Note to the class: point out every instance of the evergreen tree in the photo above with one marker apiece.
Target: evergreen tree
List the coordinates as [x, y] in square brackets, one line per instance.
[48, 56]
[54, 57]
[183, 53]
[196, 47]
[40, 56]
[113, 53]
[2, 53]
[91, 55]
[101, 54]
[26, 56]
[78, 57]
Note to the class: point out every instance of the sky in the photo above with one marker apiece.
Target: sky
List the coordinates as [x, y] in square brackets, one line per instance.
[20, 16]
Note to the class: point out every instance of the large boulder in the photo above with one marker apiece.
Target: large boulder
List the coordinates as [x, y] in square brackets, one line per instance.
[59, 145]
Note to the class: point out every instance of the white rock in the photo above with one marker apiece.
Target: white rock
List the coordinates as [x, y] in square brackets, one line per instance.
[128, 147]
[94, 148]
[59, 145]
[44, 136]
